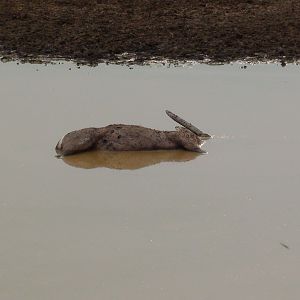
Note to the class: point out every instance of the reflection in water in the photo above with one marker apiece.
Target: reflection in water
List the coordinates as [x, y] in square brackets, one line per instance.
[127, 160]
[172, 231]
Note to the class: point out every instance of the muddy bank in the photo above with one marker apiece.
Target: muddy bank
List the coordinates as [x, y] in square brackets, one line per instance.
[97, 30]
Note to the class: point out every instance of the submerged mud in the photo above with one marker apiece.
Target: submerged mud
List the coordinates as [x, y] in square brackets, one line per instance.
[92, 31]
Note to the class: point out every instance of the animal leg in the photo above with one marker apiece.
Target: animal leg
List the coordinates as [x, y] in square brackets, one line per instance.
[188, 125]
[76, 141]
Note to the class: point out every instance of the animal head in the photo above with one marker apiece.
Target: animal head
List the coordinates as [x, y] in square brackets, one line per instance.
[189, 140]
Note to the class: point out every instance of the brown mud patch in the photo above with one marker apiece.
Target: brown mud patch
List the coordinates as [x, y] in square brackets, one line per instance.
[93, 31]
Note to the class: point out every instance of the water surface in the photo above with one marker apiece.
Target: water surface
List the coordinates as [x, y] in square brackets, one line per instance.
[175, 226]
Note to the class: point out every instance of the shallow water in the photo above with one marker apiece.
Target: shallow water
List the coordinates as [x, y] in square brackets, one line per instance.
[167, 226]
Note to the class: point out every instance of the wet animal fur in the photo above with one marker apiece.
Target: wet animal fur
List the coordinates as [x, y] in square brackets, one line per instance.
[121, 137]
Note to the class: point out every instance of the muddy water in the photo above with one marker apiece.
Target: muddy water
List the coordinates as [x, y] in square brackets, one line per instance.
[142, 226]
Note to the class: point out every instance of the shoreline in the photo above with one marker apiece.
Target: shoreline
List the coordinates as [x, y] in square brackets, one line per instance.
[93, 32]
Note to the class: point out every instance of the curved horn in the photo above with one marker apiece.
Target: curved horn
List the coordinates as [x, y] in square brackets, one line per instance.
[187, 125]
